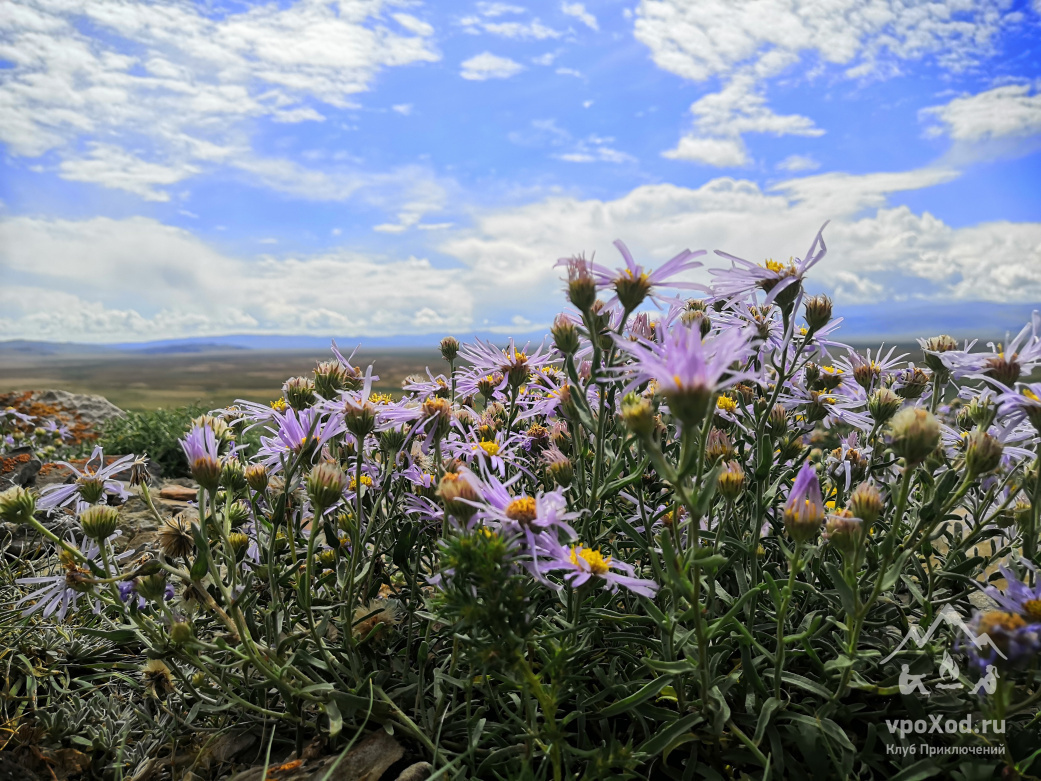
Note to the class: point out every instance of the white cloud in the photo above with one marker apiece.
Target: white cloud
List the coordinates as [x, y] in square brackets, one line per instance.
[578, 10]
[403, 108]
[493, 10]
[722, 118]
[746, 42]
[543, 133]
[519, 31]
[187, 288]
[1009, 111]
[875, 252]
[794, 164]
[190, 83]
[489, 66]
[570, 72]
[112, 167]
[545, 59]
[719, 152]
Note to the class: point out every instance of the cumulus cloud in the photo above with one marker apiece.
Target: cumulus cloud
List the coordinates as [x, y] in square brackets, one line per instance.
[875, 252]
[1010, 111]
[188, 82]
[546, 133]
[747, 42]
[486, 66]
[187, 288]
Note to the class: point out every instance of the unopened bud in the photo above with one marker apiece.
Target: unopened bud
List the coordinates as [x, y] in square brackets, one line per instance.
[299, 392]
[325, 486]
[844, 531]
[818, 312]
[17, 505]
[457, 493]
[565, 335]
[731, 480]
[99, 521]
[638, 415]
[914, 433]
[449, 348]
[982, 452]
[558, 467]
[256, 477]
[883, 404]
[866, 503]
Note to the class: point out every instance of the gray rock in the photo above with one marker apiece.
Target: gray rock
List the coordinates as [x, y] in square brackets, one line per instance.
[19, 467]
[94, 410]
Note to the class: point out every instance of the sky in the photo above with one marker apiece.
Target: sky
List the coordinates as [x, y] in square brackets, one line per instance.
[174, 169]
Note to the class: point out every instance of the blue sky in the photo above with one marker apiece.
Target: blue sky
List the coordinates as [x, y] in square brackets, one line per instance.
[176, 169]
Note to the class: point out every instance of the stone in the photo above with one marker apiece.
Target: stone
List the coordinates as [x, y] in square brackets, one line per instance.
[94, 410]
[19, 467]
[179, 493]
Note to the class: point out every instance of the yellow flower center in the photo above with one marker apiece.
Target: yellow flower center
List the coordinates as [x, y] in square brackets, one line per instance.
[1030, 394]
[598, 564]
[1032, 607]
[522, 510]
[997, 619]
[365, 480]
[726, 404]
[279, 405]
[381, 398]
[490, 448]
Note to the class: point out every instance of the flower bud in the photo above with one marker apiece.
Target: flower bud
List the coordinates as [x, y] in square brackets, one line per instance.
[638, 415]
[804, 511]
[17, 505]
[565, 335]
[325, 486]
[777, 422]
[818, 312]
[731, 480]
[581, 287]
[393, 439]
[449, 348]
[844, 531]
[152, 587]
[558, 467]
[232, 475]
[90, 489]
[695, 317]
[982, 452]
[933, 347]
[330, 377]
[914, 433]
[239, 544]
[256, 477]
[718, 446]
[456, 493]
[99, 521]
[866, 503]
[981, 411]
[299, 392]
[181, 632]
[238, 513]
[883, 404]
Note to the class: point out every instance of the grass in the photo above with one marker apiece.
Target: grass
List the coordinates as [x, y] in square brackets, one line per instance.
[133, 381]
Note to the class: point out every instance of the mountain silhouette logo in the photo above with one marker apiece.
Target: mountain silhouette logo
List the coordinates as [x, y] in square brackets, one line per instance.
[949, 616]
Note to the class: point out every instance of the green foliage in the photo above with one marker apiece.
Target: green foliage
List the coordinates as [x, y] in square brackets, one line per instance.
[154, 433]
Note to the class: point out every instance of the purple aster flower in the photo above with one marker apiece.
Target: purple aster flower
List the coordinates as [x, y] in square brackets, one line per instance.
[513, 364]
[744, 277]
[1021, 404]
[687, 370]
[295, 433]
[91, 485]
[1001, 365]
[632, 284]
[1001, 638]
[581, 564]
[201, 449]
[58, 594]
[804, 511]
[537, 519]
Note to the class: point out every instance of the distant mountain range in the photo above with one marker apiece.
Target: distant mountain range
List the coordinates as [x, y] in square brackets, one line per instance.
[862, 324]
